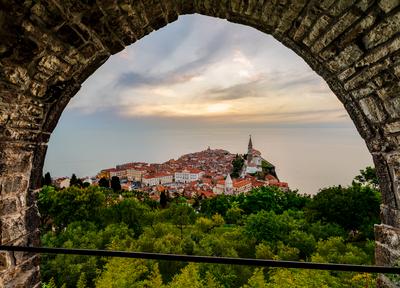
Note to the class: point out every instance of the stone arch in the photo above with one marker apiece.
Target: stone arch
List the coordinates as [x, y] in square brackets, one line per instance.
[49, 47]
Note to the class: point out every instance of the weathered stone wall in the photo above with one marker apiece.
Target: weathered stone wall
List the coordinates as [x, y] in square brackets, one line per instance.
[49, 47]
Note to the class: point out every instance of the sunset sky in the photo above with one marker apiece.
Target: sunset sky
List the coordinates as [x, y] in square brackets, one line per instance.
[201, 74]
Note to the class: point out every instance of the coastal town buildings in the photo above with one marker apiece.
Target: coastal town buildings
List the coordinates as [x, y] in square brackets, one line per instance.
[202, 174]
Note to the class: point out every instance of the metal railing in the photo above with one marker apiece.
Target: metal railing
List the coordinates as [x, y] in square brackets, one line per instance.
[207, 259]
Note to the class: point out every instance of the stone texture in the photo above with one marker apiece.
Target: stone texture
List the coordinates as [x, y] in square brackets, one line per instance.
[48, 48]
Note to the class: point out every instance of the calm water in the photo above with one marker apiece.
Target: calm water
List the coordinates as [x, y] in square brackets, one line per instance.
[307, 157]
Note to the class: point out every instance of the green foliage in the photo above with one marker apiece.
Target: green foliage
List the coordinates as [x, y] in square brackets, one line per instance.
[74, 181]
[271, 227]
[163, 199]
[300, 278]
[189, 277]
[263, 198]
[129, 211]
[47, 180]
[82, 281]
[105, 183]
[368, 177]
[355, 208]
[68, 268]
[256, 280]
[70, 204]
[50, 284]
[264, 251]
[237, 164]
[335, 250]
[219, 204]
[234, 215]
[115, 184]
[266, 223]
[129, 273]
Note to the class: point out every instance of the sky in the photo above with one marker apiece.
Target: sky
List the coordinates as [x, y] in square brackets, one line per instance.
[201, 82]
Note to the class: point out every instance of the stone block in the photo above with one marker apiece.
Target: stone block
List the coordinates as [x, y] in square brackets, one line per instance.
[339, 27]
[392, 105]
[317, 29]
[32, 219]
[286, 21]
[346, 73]
[390, 216]
[384, 282]
[386, 251]
[367, 74]
[383, 31]
[12, 185]
[392, 128]
[345, 58]
[397, 71]
[8, 206]
[362, 92]
[339, 6]
[372, 110]
[379, 52]
[388, 5]
[18, 76]
[12, 228]
[4, 262]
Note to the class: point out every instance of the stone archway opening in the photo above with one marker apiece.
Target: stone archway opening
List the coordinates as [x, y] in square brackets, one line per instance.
[231, 81]
[51, 47]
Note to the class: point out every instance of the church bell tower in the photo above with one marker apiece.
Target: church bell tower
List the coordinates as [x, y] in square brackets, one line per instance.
[250, 151]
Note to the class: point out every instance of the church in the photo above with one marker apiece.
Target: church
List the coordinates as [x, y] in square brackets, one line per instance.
[253, 161]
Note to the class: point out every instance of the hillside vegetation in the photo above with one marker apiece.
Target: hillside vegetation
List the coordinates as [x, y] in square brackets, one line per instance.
[334, 226]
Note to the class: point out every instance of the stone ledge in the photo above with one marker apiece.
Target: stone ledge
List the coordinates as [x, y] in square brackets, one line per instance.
[390, 216]
[384, 282]
[26, 275]
[387, 245]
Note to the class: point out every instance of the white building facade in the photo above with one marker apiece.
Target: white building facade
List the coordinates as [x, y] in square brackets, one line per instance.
[157, 179]
[188, 175]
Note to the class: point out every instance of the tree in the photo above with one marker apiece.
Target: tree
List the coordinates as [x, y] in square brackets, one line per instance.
[82, 283]
[73, 181]
[219, 204]
[127, 273]
[71, 204]
[268, 226]
[115, 183]
[237, 164]
[256, 280]
[335, 250]
[50, 284]
[289, 278]
[182, 215]
[355, 208]
[163, 199]
[103, 182]
[47, 179]
[189, 277]
[264, 198]
[233, 215]
[368, 177]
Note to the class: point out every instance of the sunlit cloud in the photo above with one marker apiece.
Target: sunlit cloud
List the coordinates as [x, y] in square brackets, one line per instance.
[218, 76]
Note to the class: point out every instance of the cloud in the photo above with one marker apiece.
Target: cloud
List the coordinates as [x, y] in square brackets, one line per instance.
[136, 79]
[237, 91]
[209, 72]
[179, 72]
